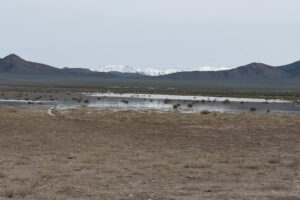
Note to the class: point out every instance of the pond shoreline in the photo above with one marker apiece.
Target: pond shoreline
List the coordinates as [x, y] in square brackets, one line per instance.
[158, 102]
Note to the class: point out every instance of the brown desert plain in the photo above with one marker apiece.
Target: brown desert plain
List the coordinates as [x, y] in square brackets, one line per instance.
[88, 153]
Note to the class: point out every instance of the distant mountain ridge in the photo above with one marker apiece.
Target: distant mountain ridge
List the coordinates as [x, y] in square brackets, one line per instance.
[13, 64]
[250, 71]
[150, 71]
[128, 69]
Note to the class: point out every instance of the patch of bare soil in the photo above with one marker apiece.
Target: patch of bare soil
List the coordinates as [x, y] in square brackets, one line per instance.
[100, 154]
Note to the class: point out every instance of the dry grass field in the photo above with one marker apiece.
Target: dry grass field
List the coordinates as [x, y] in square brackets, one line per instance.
[101, 154]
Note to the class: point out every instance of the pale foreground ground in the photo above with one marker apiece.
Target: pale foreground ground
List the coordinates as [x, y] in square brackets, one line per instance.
[101, 154]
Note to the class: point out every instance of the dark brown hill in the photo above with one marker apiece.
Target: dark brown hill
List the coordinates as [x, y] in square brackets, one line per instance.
[14, 64]
[250, 71]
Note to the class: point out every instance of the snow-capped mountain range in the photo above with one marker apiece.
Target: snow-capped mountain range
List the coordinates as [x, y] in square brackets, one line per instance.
[150, 71]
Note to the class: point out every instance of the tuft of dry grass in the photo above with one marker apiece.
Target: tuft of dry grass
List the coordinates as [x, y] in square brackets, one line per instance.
[277, 186]
[23, 192]
[70, 190]
[226, 101]
[249, 165]
[124, 101]
[22, 160]
[166, 101]
[198, 164]
[46, 174]
[204, 112]
[2, 175]
[176, 106]
[274, 160]
[8, 193]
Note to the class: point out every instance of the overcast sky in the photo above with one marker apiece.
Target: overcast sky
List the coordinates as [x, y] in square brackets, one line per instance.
[151, 33]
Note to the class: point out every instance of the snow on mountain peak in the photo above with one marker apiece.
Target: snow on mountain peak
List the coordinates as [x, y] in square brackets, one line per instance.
[209, 68]
[114, 68]
[150, 71]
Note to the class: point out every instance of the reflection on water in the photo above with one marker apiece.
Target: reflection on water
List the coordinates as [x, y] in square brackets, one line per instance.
[162, 103]
[181, 97]
[194, 106]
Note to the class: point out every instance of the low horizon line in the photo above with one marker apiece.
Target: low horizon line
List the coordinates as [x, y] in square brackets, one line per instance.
[150, 67]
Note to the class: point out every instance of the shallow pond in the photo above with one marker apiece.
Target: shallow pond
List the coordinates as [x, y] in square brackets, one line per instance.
[158, 102]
